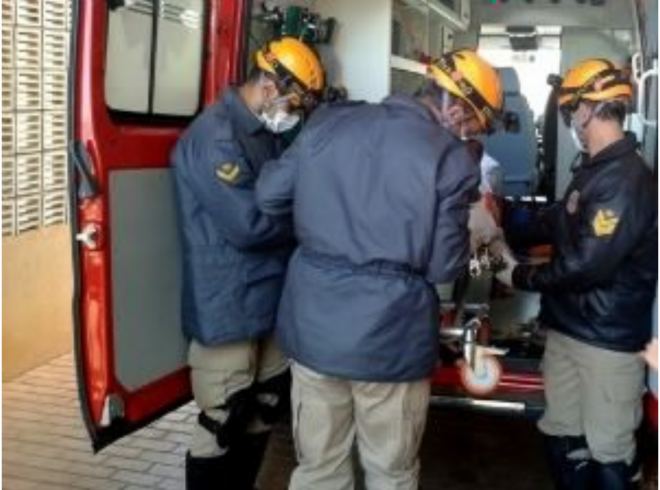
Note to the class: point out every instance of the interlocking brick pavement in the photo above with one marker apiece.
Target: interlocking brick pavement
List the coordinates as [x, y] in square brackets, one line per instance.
[45, 445]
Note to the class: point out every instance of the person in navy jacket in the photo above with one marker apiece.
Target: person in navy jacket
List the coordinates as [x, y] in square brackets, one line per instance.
[235, 258]
[380, 195]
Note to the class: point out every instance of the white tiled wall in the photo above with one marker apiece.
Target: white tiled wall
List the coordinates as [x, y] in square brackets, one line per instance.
[35, 50]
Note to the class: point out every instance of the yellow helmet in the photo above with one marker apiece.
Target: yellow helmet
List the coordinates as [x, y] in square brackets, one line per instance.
[297, 68]
[595, 80]
[468, 76]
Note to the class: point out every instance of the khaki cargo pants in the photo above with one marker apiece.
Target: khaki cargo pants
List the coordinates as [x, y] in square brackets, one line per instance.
[593, 392]
[385, 419]
[219, 372]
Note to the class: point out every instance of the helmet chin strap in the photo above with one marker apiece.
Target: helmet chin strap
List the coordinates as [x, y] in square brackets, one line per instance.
[578, 129]
[593, 112]
[445, 105]
[440, 107]
[263, 104]
[453, 124]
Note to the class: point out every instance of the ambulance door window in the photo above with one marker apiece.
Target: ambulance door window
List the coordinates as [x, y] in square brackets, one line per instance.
[154, 57]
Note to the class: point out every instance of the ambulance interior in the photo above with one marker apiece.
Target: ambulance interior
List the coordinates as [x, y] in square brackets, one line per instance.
[374, 47]
[371, 48]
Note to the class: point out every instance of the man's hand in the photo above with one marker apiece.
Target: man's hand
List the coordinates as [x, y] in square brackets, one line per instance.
[482, 226]
[650, 355]
[505, 275]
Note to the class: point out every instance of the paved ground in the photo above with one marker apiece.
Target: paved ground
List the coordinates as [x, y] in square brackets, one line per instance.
[44, 446]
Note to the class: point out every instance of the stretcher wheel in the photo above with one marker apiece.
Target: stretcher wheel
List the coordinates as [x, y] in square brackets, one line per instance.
[484, 381]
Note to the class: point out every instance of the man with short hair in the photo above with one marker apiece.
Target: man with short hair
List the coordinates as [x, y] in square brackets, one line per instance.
[380, 195]
[598, 288]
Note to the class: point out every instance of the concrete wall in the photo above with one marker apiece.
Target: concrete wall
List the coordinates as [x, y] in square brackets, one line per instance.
[36, 299]
[362, 42]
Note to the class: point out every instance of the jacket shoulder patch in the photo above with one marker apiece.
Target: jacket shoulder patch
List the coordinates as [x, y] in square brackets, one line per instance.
[605, 222]
[228, 172]
[572, 202]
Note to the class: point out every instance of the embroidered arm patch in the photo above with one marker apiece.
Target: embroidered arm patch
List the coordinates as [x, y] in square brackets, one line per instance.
[228, 172]
[605, 223]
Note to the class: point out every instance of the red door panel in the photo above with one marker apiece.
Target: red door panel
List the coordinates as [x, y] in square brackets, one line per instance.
[104, 143]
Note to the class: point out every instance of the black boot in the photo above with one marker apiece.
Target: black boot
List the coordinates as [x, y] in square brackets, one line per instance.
[247, 454]
[613, 476]
[216, 473]
[570, 462]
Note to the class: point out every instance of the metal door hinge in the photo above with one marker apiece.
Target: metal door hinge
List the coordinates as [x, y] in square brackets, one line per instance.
[113, 409]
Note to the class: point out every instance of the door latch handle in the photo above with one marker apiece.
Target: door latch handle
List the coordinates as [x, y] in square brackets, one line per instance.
[89, 236]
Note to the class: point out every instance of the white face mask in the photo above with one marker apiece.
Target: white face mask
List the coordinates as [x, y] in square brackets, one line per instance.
[575, 136]
[279, 121]
[276, 118]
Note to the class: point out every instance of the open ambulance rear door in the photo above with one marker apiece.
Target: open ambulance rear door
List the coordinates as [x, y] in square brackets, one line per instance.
[645, 71]
[140, 71]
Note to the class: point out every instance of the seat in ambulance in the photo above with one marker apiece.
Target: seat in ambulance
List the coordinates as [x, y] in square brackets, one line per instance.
[516, 152]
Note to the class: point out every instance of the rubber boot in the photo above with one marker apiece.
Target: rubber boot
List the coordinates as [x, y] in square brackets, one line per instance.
[570, 462]
[247, 456]
[216, 473]
[613, 476]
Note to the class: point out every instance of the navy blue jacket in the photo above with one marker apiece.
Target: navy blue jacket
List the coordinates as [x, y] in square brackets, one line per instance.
[380, 196]
[600, 284]
[234, 256]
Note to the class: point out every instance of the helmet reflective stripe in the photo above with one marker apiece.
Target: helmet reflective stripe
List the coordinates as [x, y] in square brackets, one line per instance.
[594, 80]
[600, 81]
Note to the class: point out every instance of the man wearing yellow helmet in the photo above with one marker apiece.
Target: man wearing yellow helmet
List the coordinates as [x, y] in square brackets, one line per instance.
[234, 263]
[598, 289]
[380, 195]
[470, 90]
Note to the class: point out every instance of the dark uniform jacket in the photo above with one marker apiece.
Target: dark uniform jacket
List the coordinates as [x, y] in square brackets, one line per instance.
[380, 196]
[234, 256]
[601, 282]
